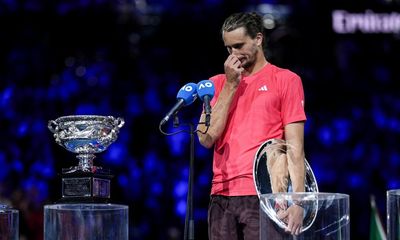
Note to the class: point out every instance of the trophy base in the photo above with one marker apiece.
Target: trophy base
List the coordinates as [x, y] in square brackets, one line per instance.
[85, 187]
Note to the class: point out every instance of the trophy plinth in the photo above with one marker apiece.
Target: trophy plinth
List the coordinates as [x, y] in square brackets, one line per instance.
[85, 135]
[86, 187]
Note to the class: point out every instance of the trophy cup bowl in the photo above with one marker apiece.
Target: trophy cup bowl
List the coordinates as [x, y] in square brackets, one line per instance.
[85, 135]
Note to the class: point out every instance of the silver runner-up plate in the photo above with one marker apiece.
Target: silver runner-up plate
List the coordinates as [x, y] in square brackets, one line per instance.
[271, 176]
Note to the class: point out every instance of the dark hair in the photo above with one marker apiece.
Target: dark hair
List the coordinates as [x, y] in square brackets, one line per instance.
[251, 21]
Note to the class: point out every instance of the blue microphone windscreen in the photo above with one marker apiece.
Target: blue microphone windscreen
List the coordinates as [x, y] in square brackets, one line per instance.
[188, 93]
[205, 87]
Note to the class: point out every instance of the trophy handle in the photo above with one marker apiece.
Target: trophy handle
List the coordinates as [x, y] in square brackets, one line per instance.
[52, 125]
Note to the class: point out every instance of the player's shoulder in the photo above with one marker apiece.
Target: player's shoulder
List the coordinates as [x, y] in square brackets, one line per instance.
[218, 79]
[283, 73]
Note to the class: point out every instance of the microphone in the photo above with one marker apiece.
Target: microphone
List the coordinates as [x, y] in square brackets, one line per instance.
[186, 96]
[205, 91]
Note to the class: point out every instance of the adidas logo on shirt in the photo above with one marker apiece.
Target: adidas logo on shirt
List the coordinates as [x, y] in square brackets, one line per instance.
[263, 88]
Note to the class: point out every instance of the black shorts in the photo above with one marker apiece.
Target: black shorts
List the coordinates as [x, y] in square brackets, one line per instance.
[233, 218]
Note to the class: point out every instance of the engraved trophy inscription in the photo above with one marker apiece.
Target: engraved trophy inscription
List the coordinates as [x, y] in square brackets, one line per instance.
[85, 135]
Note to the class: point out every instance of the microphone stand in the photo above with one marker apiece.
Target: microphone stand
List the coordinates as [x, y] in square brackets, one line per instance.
[189, 221]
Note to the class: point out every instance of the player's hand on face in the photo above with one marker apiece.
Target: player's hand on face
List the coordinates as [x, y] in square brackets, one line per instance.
[233, 69]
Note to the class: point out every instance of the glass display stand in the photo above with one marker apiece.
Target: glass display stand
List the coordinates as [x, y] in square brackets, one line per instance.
[86, 221]
[9, 223]
[325, 215]
[393, 210]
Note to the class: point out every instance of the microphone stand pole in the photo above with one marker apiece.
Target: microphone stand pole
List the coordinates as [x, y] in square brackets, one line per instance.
[189, 221]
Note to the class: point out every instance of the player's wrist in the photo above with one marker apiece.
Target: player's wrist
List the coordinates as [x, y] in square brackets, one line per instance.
[299, 203]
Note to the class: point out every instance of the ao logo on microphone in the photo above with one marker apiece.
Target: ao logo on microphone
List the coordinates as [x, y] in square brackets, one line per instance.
[187, 88]
[204, 85]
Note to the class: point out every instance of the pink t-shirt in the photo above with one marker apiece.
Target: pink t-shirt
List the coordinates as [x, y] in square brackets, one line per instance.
[263, 104]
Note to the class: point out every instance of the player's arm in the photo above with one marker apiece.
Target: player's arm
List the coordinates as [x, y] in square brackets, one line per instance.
[294, 136]
[220, 111]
